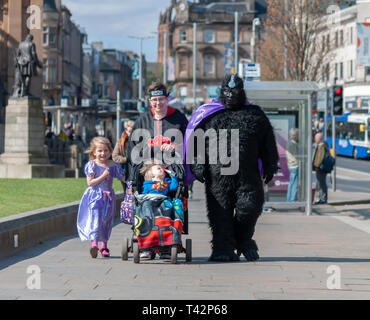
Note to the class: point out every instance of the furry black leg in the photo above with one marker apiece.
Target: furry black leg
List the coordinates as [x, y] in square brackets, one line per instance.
[248, 209]
[244, 231]
[221, 224]
[244, 243]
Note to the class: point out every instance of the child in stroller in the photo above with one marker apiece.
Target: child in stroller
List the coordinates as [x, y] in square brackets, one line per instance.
[159, 213]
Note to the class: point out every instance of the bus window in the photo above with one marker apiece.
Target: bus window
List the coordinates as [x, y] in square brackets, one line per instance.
[368, 129]
[328, 130]
[341, 130]
[355, 133]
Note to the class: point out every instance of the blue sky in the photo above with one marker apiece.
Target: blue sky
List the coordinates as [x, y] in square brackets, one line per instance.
[112, 21]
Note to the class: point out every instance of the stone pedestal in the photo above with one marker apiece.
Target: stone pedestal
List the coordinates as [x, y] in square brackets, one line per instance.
[24, 153]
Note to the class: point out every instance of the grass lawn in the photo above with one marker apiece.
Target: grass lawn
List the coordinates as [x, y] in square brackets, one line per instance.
[21, 195]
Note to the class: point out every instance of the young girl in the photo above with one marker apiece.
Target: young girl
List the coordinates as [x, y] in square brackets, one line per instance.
[98, 205]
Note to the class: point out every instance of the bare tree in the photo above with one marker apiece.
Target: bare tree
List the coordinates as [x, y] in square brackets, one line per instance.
[296, 33]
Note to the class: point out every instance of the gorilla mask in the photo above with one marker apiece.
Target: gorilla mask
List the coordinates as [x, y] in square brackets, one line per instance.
[232, 94]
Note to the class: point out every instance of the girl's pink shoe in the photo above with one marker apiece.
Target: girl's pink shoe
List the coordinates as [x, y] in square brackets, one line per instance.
[105, 252]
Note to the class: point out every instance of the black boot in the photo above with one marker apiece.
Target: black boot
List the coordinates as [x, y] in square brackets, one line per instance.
[249, 250]
[223, 254]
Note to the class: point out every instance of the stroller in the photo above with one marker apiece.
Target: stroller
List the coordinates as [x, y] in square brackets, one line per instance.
[158, 220]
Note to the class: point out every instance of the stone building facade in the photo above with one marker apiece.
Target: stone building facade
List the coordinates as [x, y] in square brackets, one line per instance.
[62, 55]
[214, 43]
[340, 35]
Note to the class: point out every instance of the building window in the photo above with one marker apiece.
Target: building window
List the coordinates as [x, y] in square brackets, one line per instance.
[182, 63]
[45, 35]
[182, 36]
[341, 38]
[336, 71]
[209, 64]
[183, 91]
[49, 36]
[209, 36]
[351, 68]
[323, 73]
[213, 92]
[323, 43]
[351, 35]
[51, 71]
[336, 39]
[52, 37]
[328, 42]
[367, 71]
[341, 70]
[44, 70]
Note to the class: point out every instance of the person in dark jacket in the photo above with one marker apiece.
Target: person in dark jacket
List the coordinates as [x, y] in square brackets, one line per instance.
[235, 199]
[158, 133]
[320, 147]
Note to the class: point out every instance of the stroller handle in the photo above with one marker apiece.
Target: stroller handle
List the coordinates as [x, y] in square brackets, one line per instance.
[179, 190]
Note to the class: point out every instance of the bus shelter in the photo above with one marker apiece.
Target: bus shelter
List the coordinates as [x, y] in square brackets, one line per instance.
[288, 105]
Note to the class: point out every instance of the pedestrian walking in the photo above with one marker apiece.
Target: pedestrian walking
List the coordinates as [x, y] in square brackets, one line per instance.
[321, 125]
[98, 205]
[157, 134]
[315, 128]
[320, 148]
[120, 149]
[165, 125]
[234, 198]
[292, 153]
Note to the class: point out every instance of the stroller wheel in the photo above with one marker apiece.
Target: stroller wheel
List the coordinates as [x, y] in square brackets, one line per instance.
[124, 250]
[188, 254]
[174, 254]
[136, 252]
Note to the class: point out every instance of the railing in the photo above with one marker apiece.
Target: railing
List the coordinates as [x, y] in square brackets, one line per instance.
[51, 85]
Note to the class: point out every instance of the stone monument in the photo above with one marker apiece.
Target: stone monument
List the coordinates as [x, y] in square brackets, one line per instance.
[25, 155]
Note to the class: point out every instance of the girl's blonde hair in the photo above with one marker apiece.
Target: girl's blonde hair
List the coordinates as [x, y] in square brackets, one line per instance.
[93, 144]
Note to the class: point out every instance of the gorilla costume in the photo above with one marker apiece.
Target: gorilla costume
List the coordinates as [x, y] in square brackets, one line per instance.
[234, 202]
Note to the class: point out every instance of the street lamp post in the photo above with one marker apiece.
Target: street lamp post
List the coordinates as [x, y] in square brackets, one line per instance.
[118, 116]
[165, 58]
[141, 71]
[236, 26]
[256, 22]
[140, 99]
[195, 63]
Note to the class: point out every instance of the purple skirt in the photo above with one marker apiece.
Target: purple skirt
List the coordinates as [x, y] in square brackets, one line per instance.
[96, 214]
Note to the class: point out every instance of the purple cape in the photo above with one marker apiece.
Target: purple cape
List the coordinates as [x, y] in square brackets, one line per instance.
[203, 112]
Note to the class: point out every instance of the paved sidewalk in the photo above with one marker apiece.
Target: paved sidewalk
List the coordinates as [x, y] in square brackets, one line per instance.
[296, 252]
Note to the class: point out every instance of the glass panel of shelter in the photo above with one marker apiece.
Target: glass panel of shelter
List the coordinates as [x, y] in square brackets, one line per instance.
[289, 120]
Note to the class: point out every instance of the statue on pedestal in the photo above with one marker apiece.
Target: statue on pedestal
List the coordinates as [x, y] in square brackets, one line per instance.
[26, 63]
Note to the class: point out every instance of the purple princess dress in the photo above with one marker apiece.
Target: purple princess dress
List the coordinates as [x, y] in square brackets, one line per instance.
[98, 205]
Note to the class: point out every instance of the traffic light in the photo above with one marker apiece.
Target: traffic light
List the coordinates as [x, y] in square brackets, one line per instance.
[141, 106]
[337, 100]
